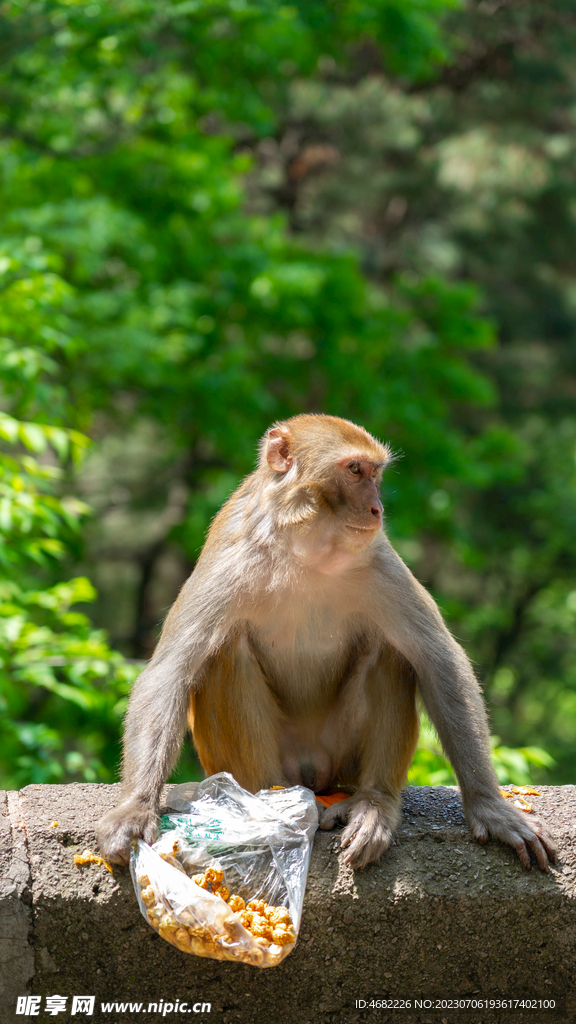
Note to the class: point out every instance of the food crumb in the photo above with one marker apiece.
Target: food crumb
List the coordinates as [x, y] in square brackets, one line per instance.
[87, 857]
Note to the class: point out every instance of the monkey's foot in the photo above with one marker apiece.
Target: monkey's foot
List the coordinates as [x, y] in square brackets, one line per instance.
[371, 818]
[132, 819]
[494, 817]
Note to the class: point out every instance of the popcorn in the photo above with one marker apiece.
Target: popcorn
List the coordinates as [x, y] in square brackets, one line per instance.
[266, 923]
[269, 926]
[148, 897]
[241, 861]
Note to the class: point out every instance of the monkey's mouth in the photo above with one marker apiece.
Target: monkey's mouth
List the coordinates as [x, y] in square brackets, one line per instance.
[363, 529]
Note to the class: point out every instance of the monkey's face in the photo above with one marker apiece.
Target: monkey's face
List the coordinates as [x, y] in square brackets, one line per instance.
[355, 498]
[347, 517]
[328, 474]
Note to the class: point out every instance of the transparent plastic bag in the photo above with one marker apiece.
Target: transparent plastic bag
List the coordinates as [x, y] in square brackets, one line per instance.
[250, 857]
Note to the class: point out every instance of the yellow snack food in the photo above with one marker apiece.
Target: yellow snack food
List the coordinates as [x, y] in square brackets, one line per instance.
[258, 917]
[148, 896]
[269, 926]
[283, 936]
[278, 916]
[241, 861]
[257, 906]
[87, 857]
[213, 876]
[259, 926]
[519, 802]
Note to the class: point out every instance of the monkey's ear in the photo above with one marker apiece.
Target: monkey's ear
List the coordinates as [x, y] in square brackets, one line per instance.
[278, 454]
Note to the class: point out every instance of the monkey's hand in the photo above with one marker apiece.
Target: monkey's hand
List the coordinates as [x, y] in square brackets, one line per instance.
[371, 818]
[492, 816]
[132, 819]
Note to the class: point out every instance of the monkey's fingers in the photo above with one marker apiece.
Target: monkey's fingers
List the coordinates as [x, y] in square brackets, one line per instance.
[537, 848]
[116, 830]
[367, 836]
[336, 813]
[508, 825]
[543, 849]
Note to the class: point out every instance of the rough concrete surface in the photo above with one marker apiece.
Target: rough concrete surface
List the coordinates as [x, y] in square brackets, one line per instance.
[440, 918]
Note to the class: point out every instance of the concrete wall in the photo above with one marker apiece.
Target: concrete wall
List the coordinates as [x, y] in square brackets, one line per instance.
[439, 918]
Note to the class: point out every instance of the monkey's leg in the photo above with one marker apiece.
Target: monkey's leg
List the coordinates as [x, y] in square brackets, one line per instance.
[389, 739]
[235, 719]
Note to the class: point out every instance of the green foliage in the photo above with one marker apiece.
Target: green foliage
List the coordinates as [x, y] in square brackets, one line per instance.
[62, 690]
[169, 289]
[429, 766]
[471, 176]
[518, 766]
[129, 266]
[513, 765]
[58, 677]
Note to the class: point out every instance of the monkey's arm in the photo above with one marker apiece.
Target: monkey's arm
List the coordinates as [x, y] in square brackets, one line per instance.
[412, 622]
[156, 716]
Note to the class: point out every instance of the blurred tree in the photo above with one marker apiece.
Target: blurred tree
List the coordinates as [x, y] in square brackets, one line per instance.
[62, 690]
[470, 175]
[189, 318]
[123, 164]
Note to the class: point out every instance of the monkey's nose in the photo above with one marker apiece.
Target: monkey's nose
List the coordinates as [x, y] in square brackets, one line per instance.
[376, 511]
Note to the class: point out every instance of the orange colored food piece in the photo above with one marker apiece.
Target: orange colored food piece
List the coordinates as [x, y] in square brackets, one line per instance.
[519, 801]
[87, 857]
[332, 798]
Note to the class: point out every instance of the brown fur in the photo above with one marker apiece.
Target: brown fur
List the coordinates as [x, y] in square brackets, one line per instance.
[296, 649]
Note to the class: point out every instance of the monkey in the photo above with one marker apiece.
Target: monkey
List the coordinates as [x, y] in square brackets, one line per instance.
[297, 651]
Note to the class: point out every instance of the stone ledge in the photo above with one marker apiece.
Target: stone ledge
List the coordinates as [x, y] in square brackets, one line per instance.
[439, 917]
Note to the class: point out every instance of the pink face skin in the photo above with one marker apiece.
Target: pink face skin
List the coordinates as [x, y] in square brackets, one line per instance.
[333, 542]
[359, 480]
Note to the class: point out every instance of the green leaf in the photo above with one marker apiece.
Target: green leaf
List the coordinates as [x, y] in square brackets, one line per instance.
[33, 436]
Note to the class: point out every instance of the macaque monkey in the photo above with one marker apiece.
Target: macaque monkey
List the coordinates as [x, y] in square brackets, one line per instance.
[296, 651]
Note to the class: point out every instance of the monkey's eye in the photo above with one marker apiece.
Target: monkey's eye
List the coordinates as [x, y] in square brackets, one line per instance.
[354, 468]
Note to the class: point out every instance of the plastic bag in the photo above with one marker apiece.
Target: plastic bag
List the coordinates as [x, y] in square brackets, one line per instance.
[250, 856]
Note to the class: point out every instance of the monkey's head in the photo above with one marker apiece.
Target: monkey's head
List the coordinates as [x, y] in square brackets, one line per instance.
[323, 467]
